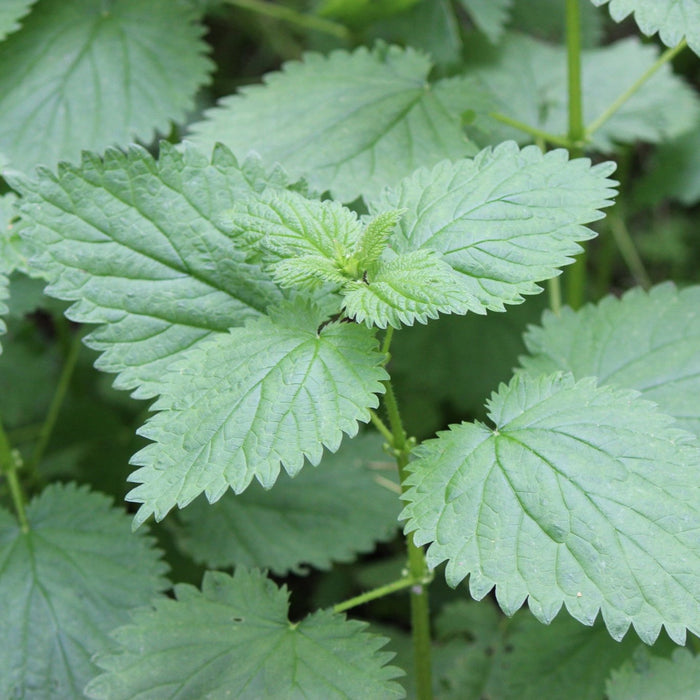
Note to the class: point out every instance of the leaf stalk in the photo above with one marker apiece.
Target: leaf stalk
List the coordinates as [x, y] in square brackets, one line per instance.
[665, 57]
[531, 130]
[291, 16]
[56, 403]
[9, 463]
[398, 585]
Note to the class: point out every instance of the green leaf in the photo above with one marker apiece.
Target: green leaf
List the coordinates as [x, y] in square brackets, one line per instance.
[405, 288]
[504, 220]
[527, 80]
[234, 640]
[138, 245]
[672, 19]
[648, 341]
[376, 236]
[520, 659]
[281, 224]
[64, 585]
[323, 515]
[11, 12]
[580, 495]
[349, 123]
[8, 255]
[94, 75]
[235, 407]
[650, 678]
[490, 16]
[674, 172]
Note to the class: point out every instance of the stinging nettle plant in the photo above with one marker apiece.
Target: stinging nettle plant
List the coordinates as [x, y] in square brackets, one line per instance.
[257, 281]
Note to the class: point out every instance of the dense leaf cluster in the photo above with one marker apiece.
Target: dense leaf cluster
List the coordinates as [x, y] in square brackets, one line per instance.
[373, 218]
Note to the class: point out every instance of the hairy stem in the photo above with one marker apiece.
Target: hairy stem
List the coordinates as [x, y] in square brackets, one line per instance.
[531, 130]
[417, 568]
[554, 287]
[56, 403]
[665, 57]
[8, 467]
[398, 585]
[576, 275]
[287, 14]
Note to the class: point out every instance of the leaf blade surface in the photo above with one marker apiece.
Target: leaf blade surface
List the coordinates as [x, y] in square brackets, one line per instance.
[581, 496]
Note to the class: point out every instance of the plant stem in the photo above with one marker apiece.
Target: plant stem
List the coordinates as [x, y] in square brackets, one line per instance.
[287, 14]
[554, 287]
[56, 403]
[576, 275]
[398, 585]
[8, 467]
[379, 424]
[627, 249]
[417, 566]
[665, 57]
[387, 340]
[532, 130]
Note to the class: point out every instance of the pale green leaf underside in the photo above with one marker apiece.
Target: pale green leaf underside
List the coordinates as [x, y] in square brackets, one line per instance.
[11, 12]
[504, 220]
[64, 586]
[235, 407]
[414, 286]
[672, 19]
[527, 80]
[582, 496]
[349, 123]
[490, 16]
[651, 678]
[325, 514]
[86, 75]
[137, 244]
[233, 639]
[648, 341]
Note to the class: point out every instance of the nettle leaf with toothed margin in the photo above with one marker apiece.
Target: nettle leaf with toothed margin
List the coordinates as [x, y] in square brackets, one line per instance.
[672, 19]
[490, 16]
[646, 677]
[648, 341]
[279, 224]
[73, 57]
[306, 243]
[234, 639]
[11, 12]
[401, 289]
[65, 585]
[237, 406]
[350, 123]
[10, 257]
[527, 80]
[137, 244]
[503, 220]
[581, 496]
[324, 514]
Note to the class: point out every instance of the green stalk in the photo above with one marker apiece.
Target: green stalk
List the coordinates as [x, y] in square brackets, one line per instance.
[398, 585]
[576, 276]
[554, 287]
[665, 57]
[8, 467]
[531, 130]
[56, 403]
[627, 249]
[287, 14]
[417, 568]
